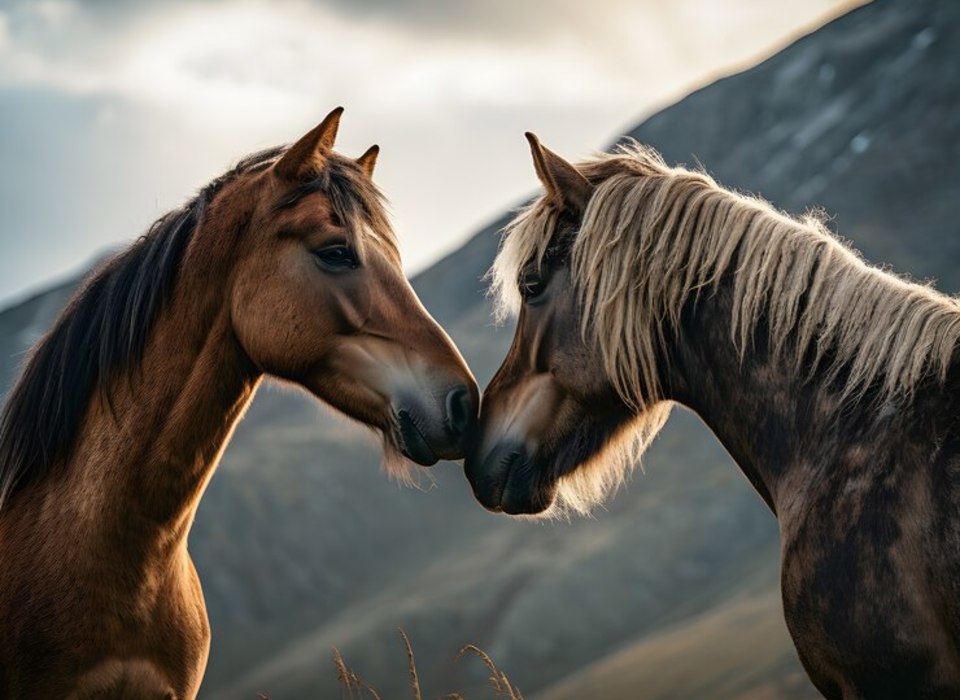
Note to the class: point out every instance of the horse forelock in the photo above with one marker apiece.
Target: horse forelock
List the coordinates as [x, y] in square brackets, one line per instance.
[525, 239]
[356, 200]
[528, 237]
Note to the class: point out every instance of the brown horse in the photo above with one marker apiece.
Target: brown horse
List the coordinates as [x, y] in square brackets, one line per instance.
[835, 386]
[287, 266]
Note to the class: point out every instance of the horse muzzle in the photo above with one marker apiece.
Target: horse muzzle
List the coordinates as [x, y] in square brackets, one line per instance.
[507, 479]
[426, 434]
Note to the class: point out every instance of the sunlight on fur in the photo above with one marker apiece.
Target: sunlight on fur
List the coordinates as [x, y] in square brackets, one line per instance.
[580, 491]
[400, 468]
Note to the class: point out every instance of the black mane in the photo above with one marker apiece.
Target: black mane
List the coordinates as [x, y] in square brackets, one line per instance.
[103, 330]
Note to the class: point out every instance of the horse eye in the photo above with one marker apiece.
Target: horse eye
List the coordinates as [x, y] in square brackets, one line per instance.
[337, 257]
[531, 286]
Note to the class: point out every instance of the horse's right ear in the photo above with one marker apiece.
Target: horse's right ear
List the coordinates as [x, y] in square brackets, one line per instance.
[310, 152]
[564, 184]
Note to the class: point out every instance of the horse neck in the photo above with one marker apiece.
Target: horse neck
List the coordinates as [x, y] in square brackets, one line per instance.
[144, 456]
[759, 407]
[784, 425]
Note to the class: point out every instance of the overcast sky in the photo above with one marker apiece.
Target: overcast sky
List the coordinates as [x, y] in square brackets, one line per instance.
[111, 114]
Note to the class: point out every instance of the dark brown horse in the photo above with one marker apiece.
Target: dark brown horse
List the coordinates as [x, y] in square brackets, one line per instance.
[286, 266]
[835, 387]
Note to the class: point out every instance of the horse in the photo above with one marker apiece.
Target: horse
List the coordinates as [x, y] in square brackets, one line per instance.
[287, 266]
[834, 385]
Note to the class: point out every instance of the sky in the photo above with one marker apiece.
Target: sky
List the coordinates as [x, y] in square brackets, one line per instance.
[113, 113]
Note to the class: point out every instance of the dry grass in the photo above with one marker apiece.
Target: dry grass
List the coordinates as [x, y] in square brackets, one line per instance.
[355, 688]
[498, 679]
[353, 685]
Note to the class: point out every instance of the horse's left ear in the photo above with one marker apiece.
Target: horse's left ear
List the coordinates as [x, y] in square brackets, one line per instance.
[310, 152]
[562, 181]
[368, 161]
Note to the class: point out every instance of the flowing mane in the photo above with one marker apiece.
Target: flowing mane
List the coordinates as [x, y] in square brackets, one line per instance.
[105, 327]
[653, 235]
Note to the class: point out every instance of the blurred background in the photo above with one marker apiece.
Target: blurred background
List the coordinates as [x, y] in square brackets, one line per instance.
[112, 113]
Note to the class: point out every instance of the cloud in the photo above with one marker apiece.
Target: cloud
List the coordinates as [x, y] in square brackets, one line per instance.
[53, 12]
[446, 87]
[252, 60]
[501, 21]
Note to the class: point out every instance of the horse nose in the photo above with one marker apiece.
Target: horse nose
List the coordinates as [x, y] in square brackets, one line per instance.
[460, 412]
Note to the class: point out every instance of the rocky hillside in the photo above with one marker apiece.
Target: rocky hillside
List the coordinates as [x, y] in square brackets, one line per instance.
[302, 544]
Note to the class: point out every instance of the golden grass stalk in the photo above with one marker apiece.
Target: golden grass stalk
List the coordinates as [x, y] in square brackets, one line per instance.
[353, 685]
[411, 666]
[498, 679]
[355, 688]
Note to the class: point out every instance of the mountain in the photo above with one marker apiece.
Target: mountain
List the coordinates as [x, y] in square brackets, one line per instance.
[302, 543]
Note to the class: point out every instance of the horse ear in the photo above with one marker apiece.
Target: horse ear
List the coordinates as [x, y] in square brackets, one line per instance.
[562, 181]
[311, 150]
[368, 161]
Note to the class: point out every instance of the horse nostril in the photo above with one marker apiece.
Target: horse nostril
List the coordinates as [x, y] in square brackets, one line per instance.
[459, 411]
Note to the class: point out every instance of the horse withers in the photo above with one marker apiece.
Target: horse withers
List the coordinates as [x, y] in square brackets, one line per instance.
[834, 385]
[286, 266]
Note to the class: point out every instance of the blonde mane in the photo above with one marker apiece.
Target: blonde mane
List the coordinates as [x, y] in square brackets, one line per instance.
[653, 236]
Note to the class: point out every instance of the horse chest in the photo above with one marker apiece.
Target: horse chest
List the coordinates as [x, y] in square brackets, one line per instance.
[103, 636]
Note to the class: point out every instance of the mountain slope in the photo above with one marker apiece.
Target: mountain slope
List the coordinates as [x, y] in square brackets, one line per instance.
[302, 543]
